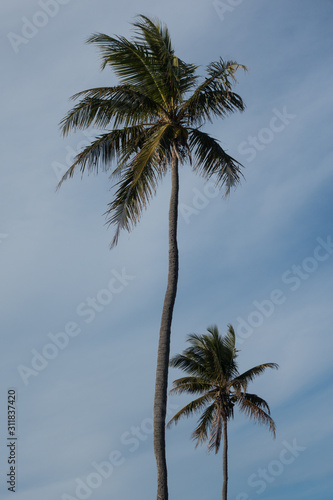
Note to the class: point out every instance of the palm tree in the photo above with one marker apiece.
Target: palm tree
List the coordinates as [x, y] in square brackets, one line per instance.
[152, 122]
[211, 364]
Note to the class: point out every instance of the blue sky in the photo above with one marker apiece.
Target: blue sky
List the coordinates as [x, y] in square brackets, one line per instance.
[261, 260]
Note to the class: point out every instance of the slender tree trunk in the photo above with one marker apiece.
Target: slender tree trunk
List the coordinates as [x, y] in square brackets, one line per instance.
[161, 386]
[225, 461]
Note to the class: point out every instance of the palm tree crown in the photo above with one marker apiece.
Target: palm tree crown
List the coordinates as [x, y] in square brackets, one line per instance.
[211, 364]
[159, 106]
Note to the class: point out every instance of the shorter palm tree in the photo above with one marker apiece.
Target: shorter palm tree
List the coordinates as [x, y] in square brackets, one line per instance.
[211, 364]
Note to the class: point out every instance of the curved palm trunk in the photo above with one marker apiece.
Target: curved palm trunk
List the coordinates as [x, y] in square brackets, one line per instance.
[163, 354]
[225, 461]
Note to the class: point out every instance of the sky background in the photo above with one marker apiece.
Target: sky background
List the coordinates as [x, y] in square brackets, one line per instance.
[261, 260]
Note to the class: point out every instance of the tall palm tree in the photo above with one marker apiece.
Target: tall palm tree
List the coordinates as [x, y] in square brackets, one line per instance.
[153, 122]
[211, 364]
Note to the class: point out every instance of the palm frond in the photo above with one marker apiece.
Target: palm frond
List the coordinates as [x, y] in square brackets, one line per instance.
[190, 362]
[257, 400]
[211, 368]
[213, 161]
[214, 97]
[216, 431]
[221, 355]
[193, 358]
[214, 331]
[252, 406]
[139, 180]
[104, 149]
[132, 64]
[179, 76]
[229, 353]
[243, 379]
[155, 37]
[190, 408]
[191, 385]
[229, 340]
[122, 105]
[200, 433]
